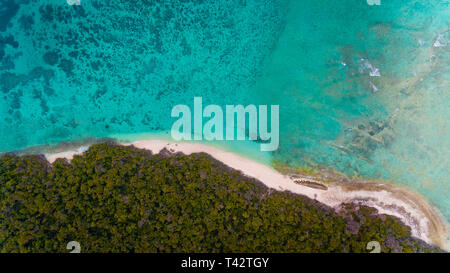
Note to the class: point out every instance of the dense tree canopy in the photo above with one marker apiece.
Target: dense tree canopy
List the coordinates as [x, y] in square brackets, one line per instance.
[122, 199]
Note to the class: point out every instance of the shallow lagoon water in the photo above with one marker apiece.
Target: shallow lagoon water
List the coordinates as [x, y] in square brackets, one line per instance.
[362, 89]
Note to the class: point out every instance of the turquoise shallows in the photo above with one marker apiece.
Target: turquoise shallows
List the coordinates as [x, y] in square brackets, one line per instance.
[362, 89]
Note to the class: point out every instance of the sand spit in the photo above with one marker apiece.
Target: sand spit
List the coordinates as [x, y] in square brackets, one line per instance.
[425, 221]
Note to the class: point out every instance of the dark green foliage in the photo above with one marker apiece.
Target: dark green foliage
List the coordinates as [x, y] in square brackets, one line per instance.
[122, 199]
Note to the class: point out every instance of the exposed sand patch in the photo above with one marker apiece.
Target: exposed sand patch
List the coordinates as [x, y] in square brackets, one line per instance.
[66, 154]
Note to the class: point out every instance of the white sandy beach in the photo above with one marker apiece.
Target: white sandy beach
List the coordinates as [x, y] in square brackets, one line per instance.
[425, 221]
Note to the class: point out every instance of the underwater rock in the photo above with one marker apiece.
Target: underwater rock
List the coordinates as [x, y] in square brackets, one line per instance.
[51, 57]
[440, 41]
[8, 9]
[67, 66]
[374, 88]
[365, 65]
[9, 81]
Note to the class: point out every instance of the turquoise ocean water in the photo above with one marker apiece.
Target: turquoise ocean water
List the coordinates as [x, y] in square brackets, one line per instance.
[362, 89]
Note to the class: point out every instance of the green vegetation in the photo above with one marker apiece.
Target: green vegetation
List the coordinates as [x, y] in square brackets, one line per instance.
[122, 199]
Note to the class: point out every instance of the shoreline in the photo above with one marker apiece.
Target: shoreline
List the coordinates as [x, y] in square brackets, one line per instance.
[425, 221]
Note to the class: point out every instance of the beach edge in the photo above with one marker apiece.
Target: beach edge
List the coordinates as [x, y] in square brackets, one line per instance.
[413, 210]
